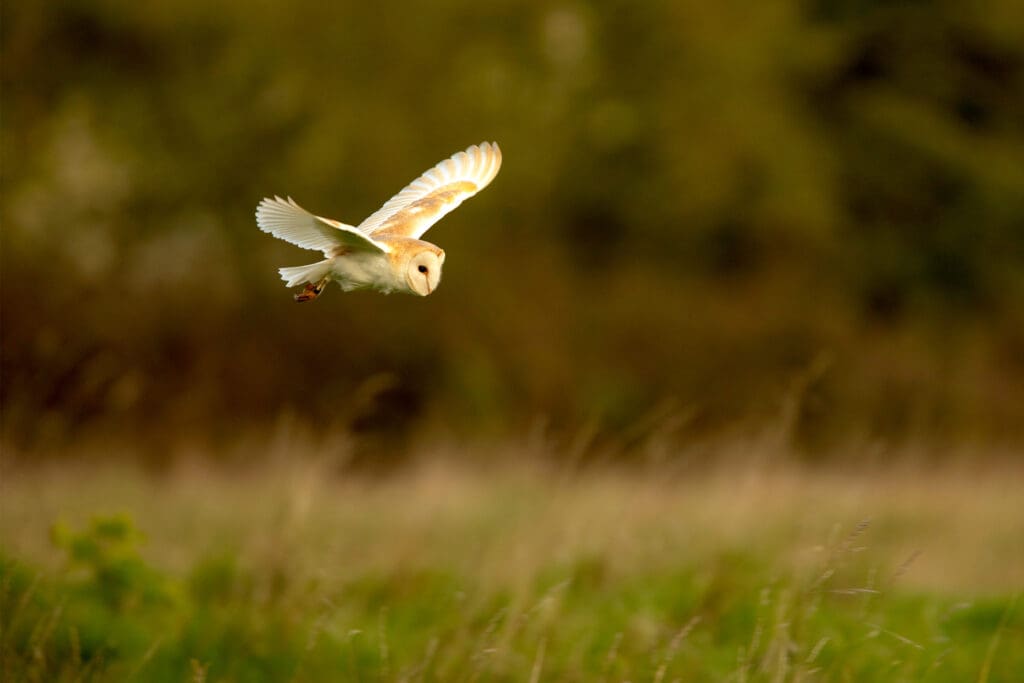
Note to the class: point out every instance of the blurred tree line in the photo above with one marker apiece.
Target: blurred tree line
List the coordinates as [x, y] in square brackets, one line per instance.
[710, 215]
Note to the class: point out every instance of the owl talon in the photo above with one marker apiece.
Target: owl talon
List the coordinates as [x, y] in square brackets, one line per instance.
[311, 291]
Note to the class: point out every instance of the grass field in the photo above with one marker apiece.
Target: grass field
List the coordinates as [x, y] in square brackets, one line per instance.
[292, 570]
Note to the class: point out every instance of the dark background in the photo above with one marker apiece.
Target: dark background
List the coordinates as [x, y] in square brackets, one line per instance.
[712, 217]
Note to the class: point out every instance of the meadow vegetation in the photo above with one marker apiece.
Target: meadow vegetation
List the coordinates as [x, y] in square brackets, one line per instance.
[299, 570]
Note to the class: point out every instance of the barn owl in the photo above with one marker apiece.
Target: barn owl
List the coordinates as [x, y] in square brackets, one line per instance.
[384, 252]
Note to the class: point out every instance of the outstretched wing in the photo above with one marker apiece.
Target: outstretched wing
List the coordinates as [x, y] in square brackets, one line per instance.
[433, 195]
[286, 220]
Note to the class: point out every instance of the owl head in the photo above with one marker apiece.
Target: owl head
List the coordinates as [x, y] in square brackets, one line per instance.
[423, 272]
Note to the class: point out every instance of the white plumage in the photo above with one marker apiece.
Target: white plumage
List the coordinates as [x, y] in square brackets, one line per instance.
[384, 252]
[478, 165]
[285, 219]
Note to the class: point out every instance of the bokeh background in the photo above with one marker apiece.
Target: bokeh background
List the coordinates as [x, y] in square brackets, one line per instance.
[711, 217]
[724, 380]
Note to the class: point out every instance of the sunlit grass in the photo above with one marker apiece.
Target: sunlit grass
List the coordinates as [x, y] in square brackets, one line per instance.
[294, 570]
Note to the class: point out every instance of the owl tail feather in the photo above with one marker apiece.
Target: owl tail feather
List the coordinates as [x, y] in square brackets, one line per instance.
[314, 272]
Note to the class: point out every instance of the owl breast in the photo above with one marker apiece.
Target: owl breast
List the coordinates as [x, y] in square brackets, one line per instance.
[361, 270]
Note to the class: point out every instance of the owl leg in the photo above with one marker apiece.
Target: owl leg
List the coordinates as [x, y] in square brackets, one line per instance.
[312, 291]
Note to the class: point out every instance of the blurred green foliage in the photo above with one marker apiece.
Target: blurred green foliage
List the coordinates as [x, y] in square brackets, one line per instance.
[577, 619]
[108, 555]
[710, 214]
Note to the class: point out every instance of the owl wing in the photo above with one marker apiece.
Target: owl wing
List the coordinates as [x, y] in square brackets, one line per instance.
[433, 195]
[286, 220]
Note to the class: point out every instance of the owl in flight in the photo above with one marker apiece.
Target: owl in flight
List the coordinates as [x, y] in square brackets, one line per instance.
[385, 251]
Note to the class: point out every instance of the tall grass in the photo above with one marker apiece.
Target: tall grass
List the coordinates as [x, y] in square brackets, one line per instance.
[294, 570]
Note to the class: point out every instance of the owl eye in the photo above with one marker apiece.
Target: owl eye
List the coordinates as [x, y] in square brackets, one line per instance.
[422, 269]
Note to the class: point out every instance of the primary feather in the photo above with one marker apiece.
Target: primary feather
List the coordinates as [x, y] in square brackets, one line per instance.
[436, 193]
[285, 219]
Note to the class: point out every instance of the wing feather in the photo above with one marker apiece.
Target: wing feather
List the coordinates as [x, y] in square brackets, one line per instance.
[286, 220]
[436, 193]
